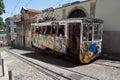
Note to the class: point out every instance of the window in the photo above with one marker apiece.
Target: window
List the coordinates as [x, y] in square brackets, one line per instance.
[40, 30]
[37, 30]
[61, 30]
[48, 30]
[87, 32]
[43, 30]
[97, 32]
[54, 29]
[15, 30]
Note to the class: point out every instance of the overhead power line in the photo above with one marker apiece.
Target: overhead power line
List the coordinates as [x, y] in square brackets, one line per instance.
[15, 6]
[28, 3]
[57, 3]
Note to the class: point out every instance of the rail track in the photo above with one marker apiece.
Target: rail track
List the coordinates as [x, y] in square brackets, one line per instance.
[51, 73]
[104, 63]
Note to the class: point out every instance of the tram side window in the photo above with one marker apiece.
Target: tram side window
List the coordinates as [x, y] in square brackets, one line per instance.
[61, 30]
[54, 29]
[97, 32]
[87, 32]
[43, 30]
[40, 30]
[48, 30]
[37, 30]
[90, 33]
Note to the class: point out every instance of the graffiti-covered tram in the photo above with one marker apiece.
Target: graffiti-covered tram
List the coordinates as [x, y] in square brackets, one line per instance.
[80, 38]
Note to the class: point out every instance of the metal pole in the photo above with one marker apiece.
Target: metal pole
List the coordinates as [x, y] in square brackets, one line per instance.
[10, 75]
[2, 67]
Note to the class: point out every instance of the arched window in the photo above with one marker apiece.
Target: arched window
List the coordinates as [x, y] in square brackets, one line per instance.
[77, 14]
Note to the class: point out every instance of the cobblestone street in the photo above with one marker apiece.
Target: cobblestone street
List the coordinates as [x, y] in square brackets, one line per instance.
[61, 68]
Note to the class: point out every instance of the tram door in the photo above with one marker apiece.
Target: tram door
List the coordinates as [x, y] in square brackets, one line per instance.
[74, 37]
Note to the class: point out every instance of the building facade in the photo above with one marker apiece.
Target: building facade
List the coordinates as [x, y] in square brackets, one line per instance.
[3, 40]
[11, 29]
[24, 27]
[71, 10]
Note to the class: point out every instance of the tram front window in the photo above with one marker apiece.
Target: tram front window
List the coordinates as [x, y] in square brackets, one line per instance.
[97, 32]
[87, 32]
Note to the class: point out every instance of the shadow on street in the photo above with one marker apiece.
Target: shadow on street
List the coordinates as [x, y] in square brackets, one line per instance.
[62, 61]
[52, 59]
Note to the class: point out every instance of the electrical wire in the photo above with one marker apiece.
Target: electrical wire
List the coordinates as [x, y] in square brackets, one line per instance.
[28, 3]
[57, 3]
[15, 7]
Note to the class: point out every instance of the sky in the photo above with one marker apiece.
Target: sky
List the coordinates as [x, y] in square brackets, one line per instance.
[14, 6]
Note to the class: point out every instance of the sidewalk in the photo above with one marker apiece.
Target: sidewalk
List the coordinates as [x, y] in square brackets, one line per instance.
[5, 77]
[3, 74]
[111, 56]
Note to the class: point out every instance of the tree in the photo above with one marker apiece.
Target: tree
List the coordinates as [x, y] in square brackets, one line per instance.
[2, 26]
[2, 7]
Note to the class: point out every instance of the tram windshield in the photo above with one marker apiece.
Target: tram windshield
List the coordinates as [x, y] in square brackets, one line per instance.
[92, 32]
[87, 32]
[97, 32]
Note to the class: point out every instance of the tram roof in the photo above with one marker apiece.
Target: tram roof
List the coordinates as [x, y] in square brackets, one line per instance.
[84, 20]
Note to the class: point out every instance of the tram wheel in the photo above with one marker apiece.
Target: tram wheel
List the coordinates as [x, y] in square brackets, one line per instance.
[85, 58]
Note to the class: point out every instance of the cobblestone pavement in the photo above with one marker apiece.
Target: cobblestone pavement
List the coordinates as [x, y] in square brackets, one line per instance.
[98, 70]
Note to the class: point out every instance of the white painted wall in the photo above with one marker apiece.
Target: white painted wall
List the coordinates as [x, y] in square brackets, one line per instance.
[68, 9]
[109, 11]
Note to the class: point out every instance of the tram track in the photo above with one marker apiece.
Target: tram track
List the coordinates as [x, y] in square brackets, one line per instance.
[49, 72]
[104, 64]
[46, 71]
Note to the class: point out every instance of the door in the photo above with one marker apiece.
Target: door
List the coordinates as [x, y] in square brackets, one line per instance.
[74, 37]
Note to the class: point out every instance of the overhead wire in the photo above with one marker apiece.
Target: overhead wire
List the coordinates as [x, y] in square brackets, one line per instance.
[57, 3]
[48, 13]
[15, 7]
[28, 3]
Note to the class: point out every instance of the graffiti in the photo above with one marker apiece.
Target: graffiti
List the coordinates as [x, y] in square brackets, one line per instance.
[60, 44]
[52, 42]
[89, 50]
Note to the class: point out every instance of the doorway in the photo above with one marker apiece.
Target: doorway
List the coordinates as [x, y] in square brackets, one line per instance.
[74, 37]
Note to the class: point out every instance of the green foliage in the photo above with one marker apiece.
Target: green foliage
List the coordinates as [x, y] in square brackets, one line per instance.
[2, 26]
[1, 12]
[2, 7]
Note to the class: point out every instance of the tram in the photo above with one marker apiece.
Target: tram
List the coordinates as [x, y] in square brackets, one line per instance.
[80, 38]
